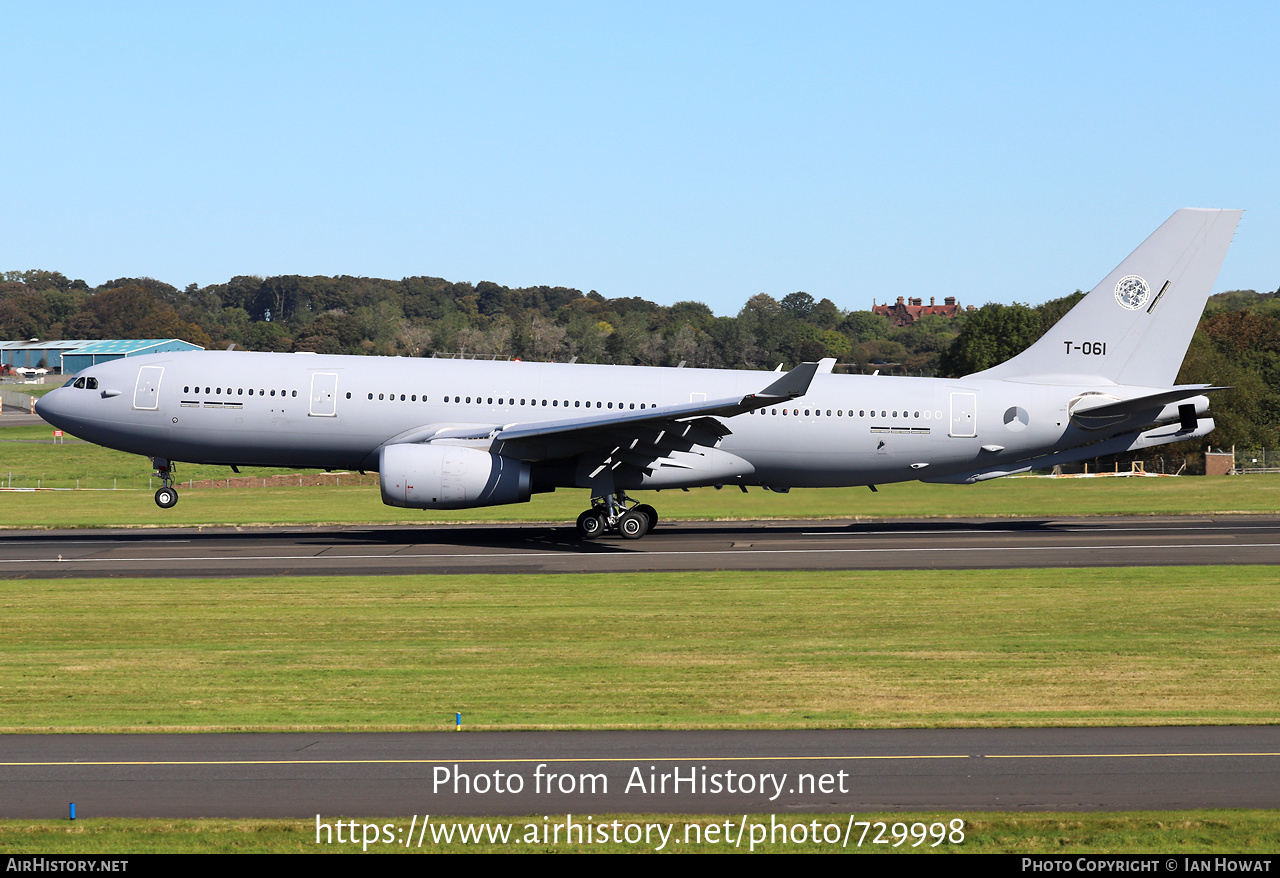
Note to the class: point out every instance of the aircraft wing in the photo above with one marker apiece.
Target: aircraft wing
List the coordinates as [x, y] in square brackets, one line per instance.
[645, 433]
[791, 385]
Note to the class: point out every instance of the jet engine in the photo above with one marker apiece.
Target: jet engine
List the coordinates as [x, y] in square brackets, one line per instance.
[450, 477]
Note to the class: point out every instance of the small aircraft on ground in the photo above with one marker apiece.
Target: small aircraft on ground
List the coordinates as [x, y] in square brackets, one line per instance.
[455, 434]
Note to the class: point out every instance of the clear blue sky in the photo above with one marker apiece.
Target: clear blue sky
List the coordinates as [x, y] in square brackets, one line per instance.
[706, 151]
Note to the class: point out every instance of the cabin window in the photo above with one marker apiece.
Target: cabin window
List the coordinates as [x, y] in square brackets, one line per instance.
[295, 393]
[219, 391]
[239, 391]
[555, 402]
[273, 393]
[348, 395]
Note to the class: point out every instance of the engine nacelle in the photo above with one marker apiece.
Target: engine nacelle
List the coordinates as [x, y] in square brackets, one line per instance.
[450, 477]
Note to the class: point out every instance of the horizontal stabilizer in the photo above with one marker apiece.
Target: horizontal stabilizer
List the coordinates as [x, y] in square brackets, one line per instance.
[1098, 411]
[1109, 408]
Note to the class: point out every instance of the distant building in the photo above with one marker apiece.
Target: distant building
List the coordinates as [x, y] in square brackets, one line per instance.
[102, 351]
[35, 354]
[908, 311]
[69, 356]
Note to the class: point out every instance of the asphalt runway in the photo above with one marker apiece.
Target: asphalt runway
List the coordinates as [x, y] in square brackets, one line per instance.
[12, 416]
[587, 773]
[450, 549]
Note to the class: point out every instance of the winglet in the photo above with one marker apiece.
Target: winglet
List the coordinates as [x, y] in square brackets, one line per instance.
[789, 386]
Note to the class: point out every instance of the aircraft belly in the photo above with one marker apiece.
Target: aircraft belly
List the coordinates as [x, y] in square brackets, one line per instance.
[830, 469]
[141, 435]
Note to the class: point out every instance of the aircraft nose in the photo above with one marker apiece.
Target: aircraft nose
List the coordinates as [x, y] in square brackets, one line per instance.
[51, 407]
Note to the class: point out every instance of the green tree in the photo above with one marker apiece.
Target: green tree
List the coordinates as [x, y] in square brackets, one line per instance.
[990, 335]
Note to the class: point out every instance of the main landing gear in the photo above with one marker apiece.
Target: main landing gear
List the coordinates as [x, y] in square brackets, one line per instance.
[611, 512]
[167, 496]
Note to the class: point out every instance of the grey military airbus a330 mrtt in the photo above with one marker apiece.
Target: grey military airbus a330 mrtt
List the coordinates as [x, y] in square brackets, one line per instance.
[454, 434]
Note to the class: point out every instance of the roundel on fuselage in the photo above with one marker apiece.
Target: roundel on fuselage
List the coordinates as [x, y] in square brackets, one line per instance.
[1016, 418]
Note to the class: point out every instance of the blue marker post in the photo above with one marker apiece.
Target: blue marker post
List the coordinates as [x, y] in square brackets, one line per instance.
[457, 727]
[73, 810]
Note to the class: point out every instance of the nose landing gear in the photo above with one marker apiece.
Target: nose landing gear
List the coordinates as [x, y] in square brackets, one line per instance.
[612, 512]
[167, 496]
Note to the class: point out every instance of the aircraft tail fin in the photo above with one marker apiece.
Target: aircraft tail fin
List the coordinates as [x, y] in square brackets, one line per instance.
[1134, 327]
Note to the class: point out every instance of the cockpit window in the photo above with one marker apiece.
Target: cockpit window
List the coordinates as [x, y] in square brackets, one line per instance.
[75, 382]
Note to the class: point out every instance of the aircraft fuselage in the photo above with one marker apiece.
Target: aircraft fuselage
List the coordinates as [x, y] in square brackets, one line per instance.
[336, 412]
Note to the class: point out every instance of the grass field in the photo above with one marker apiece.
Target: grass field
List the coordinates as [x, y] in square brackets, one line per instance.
[28, 453]
[675, 650]
[1173, 832]
[1040, 498]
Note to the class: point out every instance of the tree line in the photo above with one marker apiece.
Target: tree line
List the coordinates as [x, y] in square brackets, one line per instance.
[1237, 343]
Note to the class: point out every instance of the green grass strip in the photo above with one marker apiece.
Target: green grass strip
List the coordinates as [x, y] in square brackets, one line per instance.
[1132, 646]
[28, 459]
[1002, 498]
[1177, 833]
